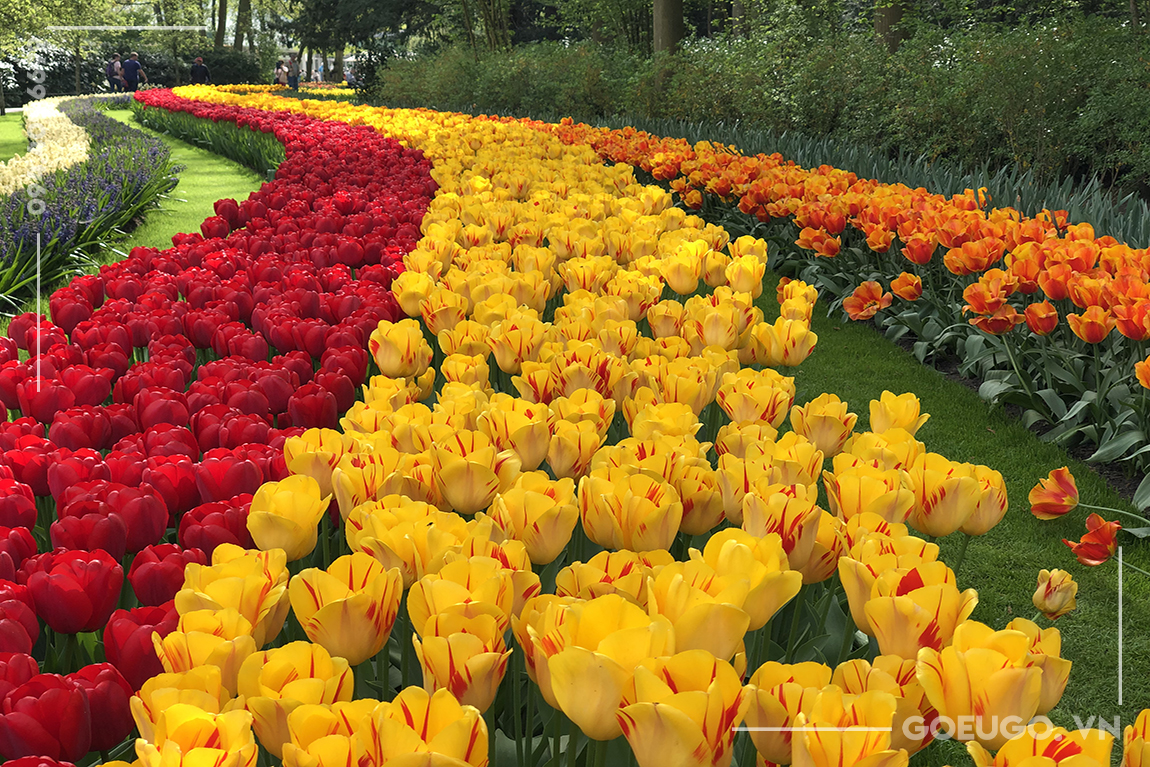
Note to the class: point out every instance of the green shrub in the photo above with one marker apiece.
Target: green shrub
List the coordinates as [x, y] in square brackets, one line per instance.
[1057, 100]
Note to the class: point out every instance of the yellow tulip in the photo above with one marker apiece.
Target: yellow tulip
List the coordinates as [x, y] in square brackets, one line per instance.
[591, 657]
[991, 502]
[539, 617]
[470, 470]
[486, 541]
[706, 609]
[516, 341]
[895, 675]
[795, 460]
[465, 655]
[276, 682]
[187, 735]
[777, 693]
[899, 411]
[788, 511]
[465, 587]
[585, 405]
[745, 274]
[410, 535]
[759, 559]
[683, 710]
[715, 267]
[736, 477]
[830, 543]
[200, 686]
[761, 397]
[220, 638]
[735, 438]
[1055, 595]
[494, 308]
[348, 609]
[946, 494]
[472, 371]
[893, 449]
[572, 447]
[989, 688]
[665, 319]
[916, 608]
[316, 453]
[443, 309]
[286, 514]
[536, 384]
[873, 555]
[825, 422]
[1051, 746]
[254, 583]
[399, 349]
[1136, 741]
[622, 509]
[863, 488]
[1045, 653]
[698, 486]
[361, 477]
[798, 309]
[468, 338]
[611, 572]
[520, 426]
[411, 288]
[672, 419]
[842, 729]
[433, 726]
[681, 270]
[539, 512]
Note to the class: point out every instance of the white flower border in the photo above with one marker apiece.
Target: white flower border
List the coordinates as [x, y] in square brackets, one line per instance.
[55, 143]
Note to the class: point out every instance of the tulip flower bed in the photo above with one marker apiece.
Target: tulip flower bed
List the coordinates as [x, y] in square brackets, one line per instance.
[50, 226]
[955, 275]
[523, 505]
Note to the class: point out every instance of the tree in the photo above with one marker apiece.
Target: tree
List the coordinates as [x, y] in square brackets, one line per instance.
[669, 27]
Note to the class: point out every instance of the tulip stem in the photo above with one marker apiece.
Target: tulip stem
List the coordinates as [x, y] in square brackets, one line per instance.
[572, 745]
[600, 752]
[962, 552]
[848, 639]
[517, 712]
[1131, 514]
[800, 602]
[1135, 568]
[555, 738]
[1037, 615]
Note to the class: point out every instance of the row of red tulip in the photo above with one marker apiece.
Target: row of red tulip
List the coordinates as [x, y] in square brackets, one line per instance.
[131, 434]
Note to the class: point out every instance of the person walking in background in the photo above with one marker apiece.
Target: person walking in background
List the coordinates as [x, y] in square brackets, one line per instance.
[113, 72]
[293, 72]
[133, 71]
[200, 73]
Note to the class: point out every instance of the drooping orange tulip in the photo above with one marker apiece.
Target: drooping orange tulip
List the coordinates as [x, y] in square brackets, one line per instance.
[866, 301]
[1099, 543]
[1054, 495]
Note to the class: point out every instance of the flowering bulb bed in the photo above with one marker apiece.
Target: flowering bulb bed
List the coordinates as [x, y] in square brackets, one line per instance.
[522, 504]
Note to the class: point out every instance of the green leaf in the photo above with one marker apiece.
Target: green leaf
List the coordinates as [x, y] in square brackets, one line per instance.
[1138, 532]
[992, 390]
[1117, 447]
[1142, 494]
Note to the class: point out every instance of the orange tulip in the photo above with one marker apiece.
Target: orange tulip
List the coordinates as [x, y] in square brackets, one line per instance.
[920, 248]
[907, 286]
[1099, 543]
[866, 301]
[1041, 318]
[1093, 325]
[1003, 320]
[1142, 372]
[1055, 495]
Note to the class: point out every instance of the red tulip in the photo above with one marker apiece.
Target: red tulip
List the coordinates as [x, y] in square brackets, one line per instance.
[100, 529]
[46, 716]
[17, 504]
[29, 460]
[313, 407]
[16, 545]
[16, 668]
[169, 439]
[108, 695]
[19, 627]
[128, 640]
[37, 761]
[223, 474]
[73, 590]
[42, 398]
[157, 572]
[215, 226]
[89, 385]
[125, 468]
[69, 467]
[21, 325]
[80, 427]
[1099, 543]
[173, 477]
[156, 405]
[211, 524]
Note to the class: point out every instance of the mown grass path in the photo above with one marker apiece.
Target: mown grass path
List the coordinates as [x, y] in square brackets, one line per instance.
[12, 139]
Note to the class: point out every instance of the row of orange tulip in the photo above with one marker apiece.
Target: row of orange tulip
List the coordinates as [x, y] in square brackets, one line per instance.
[447, 509]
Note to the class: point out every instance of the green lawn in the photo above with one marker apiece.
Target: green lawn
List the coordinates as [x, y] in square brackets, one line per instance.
[857, 363]
[12, 140]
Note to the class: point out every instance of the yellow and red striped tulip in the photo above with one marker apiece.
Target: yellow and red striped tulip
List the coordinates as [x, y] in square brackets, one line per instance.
[992, 502]
[399, 349]
[683, 710]
[890, 673]
[350, 607]
[316, 453]
[760, 559]
[1055, 495]
[1136, 741]
[916, 608]
[286, 514]
[946, 493]
[1055, 595]
[705, 608]
[254, 583]
[1049, 746]
[470, 470]
[778, 693]
[424, 728]
[187, 735]
[465, 587]
[539, 512]
[572, 447]
[848, 729]
[201, 686]
[824, 421]
[790, 512]
[865, 488]
[896, 411]
[623, 509]
[1045, 653]
[465, 655]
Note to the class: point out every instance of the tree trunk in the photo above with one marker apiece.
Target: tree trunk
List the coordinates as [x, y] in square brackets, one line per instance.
[1135, 21]
[305, 61]
[470, 30]
[222, 23]
[3, 105]
[76, 68]
[888, 23]
[337, 66]
[243, 23]
[668, 25]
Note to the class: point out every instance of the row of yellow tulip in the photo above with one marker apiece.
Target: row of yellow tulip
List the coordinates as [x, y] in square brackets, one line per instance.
[448, 503]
